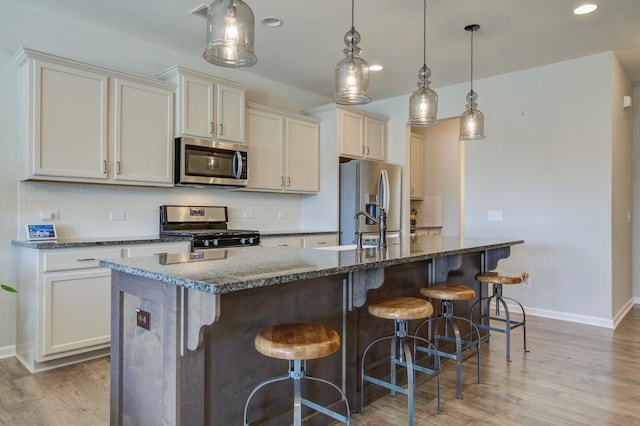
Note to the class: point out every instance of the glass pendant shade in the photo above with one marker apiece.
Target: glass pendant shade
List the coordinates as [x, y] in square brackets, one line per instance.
[352, 74]
[230, 34]
[423, 104]
[472, 120]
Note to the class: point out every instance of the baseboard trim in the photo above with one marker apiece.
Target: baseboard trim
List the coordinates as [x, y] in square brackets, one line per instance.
[7, 351]
[581, 319]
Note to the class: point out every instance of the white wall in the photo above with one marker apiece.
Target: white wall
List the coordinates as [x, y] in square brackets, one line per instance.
[83, 209]
[546, 163]
[636, 193]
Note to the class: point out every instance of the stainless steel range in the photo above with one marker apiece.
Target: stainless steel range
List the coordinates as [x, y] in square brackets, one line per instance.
[206, 225]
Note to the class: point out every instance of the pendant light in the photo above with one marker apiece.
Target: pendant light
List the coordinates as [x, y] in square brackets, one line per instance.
[472, 120]
[423, 104]
[352, 73]
[230, 34]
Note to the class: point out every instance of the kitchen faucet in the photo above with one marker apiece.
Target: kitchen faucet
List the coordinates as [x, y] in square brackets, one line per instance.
[382, 226]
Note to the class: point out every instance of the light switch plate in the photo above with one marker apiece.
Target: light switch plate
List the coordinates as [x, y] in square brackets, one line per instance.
[494, 215]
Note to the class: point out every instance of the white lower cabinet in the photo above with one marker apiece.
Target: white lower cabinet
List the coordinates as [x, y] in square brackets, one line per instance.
[323, 240]
[287, 241]
[64, 301]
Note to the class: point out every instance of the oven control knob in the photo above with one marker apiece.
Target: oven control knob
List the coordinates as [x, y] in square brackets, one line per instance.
[251, 241]
[206, 243]
[243, 241]
[215, 242]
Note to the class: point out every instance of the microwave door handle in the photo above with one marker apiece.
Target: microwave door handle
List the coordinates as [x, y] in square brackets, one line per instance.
[237, 164]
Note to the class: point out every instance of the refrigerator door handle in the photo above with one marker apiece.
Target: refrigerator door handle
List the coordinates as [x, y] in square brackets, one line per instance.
[383, 190]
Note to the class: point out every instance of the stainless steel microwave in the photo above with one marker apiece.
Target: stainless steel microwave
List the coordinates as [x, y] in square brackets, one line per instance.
[207, 162]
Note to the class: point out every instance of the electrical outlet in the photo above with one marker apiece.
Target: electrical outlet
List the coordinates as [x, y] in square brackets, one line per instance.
[494, 215]
[526, 281]
[282, 215]
[118, 215]
[143, 319]
[48, 215]
[248, 214]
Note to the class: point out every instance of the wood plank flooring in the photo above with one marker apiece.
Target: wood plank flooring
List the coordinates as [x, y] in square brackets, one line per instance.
[574, 375]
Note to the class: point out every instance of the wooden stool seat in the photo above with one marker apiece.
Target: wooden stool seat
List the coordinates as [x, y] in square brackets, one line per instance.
[401, 308]
[297, 341]
[448, 292]
[496, 278]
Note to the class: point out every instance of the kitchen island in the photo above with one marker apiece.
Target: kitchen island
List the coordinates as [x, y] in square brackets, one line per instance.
[183, 325]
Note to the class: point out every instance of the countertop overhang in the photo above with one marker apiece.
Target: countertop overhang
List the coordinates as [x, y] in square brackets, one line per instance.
[223, 271]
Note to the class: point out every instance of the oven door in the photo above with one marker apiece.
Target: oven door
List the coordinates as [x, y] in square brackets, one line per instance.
[205, 162]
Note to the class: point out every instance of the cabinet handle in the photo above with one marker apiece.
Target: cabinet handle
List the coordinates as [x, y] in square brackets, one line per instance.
[86, 259]
[321, 243]
[367, 151]
[117, 167]
[211, 127]
[362, 149]
[411, 191]
[104, 167]
[281, 181]
[221, 129]
[288, 181]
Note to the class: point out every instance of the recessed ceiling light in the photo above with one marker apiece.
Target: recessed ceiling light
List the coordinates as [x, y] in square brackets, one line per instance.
[375, 67]
[585, 8]
[271, 21]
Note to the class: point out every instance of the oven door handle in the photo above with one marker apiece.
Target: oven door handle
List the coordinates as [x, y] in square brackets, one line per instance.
[237, 165]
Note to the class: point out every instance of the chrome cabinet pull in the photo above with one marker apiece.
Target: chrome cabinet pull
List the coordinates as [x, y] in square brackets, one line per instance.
[104, 167]
[211, 127]
[221, 129]
[367, 151]
[117, 167]
[282, 181]
[86, 259]
[288, 181]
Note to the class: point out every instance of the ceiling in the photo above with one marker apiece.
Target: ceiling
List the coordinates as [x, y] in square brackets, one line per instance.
[514, 35]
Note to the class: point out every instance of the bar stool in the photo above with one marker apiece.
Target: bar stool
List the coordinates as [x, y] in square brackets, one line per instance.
[498, 280]
[298, 343]
[401, 310]
[447, 293]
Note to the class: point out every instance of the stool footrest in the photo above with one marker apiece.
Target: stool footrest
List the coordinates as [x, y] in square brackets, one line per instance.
[319, 408]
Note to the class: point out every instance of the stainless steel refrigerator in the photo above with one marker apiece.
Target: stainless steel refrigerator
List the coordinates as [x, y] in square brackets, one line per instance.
[363, 184]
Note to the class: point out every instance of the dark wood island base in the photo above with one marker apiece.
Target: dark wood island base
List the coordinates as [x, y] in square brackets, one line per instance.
[182, 344]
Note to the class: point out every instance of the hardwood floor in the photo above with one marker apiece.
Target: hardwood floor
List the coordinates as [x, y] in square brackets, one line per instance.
[574, 375]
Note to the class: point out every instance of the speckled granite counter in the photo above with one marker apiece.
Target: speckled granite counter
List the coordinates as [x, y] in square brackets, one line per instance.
[93, 242]
[185, 325]
[226, 270]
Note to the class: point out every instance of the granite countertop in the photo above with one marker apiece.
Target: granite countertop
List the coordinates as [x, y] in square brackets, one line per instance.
[290, 233]
[89, 242]
[226, 270]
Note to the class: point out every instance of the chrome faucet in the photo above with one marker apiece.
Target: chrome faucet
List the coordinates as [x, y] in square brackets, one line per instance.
[382, 227]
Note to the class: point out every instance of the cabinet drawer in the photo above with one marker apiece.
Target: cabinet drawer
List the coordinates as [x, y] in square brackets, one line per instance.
[61, 259]
[158, 248]
[320, 241]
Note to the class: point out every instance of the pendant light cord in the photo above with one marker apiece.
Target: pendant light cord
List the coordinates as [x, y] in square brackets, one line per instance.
[472, 31]
[424, 36]
[353, 27]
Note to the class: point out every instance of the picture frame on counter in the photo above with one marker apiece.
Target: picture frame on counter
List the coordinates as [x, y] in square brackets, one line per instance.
[40, 232]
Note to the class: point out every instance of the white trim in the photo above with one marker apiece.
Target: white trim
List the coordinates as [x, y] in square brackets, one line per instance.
[582, 319]
[7, 351]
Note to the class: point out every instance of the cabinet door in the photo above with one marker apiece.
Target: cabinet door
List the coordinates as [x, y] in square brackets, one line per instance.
[327, 240]
[196, 106]
[143, 134]
[375, 136]
[70, 110]
[229, 113]
[351, 133]
[265, 137]
[302, 152]
[281, 241]
[76, 310]
[417, 167]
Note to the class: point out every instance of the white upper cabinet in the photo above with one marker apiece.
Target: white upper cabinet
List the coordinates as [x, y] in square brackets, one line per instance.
[361, 135]
[143, 133]
[283, 151]
[417, 167]
[63, 122]
[207, 107]
[84, 123]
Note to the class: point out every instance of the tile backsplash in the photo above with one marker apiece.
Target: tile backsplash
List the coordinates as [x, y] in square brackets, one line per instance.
[89, 211]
